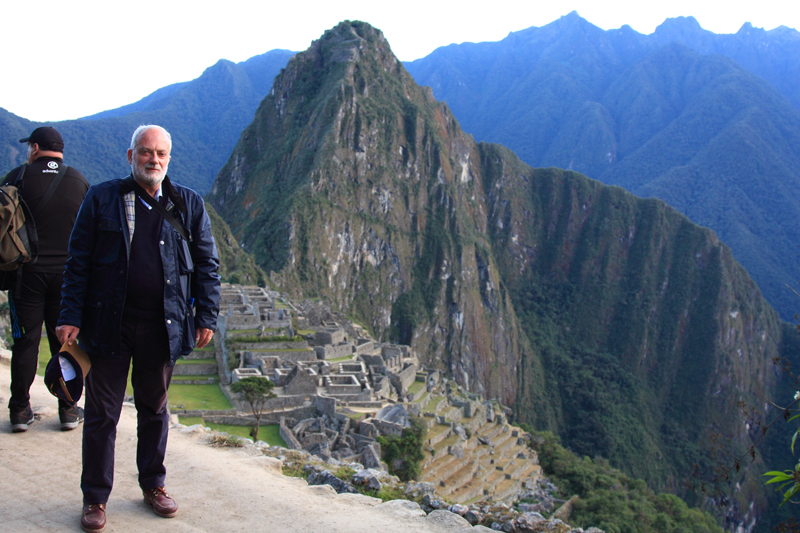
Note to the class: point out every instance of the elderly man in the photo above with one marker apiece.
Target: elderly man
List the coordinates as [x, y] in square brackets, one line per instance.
[53, 192]
[136, 290]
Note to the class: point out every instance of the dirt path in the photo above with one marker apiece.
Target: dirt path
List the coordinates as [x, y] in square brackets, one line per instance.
[216, 489]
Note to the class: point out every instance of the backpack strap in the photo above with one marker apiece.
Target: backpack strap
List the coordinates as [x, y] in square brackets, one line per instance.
[20, 174]
[62, 169]
[179, 227]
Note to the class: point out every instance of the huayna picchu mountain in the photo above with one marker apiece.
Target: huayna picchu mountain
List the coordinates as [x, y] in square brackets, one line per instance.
[614, 321]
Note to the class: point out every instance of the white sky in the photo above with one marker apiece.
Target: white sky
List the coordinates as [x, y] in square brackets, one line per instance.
[68, 59]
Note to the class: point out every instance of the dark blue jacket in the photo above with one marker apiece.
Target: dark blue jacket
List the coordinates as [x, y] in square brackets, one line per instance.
[96, 272]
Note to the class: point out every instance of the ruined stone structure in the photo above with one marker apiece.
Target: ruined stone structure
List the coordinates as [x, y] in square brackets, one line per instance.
[338, 410]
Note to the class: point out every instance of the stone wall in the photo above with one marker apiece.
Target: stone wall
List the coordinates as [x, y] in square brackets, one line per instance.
[364, 396]
[206, 381]
[195, 369]
[325, 405]
[391, 351]
[375, 405]
[278, 403]
[468, 408]
[301, 413]
[333, 352]
[288, 437]
[202, 412]
[405, 377]
[289, 355]
[239, 373]
[268, 346]
[243, 322]
[329, 336]
[364, 346]
[387, 428]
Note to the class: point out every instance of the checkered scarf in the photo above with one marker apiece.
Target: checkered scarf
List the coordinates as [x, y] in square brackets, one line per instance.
[130, 213]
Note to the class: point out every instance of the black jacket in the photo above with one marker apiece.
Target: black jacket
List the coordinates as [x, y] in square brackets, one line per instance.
[96, 273]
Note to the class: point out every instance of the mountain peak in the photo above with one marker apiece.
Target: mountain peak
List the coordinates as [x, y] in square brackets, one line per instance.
[679, 24]
[346, 42]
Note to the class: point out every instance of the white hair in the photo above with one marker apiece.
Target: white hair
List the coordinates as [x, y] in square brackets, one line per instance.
[142, 129]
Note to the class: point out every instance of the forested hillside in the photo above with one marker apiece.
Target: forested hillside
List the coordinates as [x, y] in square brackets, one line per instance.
[647, 112]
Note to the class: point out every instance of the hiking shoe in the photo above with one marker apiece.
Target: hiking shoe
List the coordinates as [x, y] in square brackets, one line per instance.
[161, 502]
[20, 420]
[70, 418]
[93, 519]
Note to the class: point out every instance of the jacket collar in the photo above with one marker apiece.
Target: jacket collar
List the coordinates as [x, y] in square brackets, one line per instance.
[167, 189]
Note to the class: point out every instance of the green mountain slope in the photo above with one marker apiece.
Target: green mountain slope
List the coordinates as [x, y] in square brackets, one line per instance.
[611, 320]
[204, 116]
[689, 127]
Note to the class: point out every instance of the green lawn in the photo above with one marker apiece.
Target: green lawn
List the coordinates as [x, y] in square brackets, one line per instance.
[211, 361]
[416, 387]
[178, 379]
[242, 332]
[268, 433]
[192, 396]
[184, 396]
[44, 355]
[431, 407]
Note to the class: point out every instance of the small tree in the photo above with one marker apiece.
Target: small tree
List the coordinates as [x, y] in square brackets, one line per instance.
[255, 391]
[404, 454]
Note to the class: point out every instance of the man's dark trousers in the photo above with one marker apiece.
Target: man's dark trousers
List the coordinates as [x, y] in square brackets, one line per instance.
[145, 342]
[38, 301]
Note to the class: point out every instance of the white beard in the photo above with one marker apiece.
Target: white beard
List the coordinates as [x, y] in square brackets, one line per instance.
[150, 177]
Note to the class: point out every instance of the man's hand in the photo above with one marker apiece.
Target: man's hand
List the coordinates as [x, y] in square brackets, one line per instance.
[67, 334]
[202, 337]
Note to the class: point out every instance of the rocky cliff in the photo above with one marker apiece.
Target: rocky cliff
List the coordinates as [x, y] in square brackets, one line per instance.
[609, 319]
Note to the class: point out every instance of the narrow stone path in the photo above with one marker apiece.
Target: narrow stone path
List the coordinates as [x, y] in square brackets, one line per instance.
[223, 489]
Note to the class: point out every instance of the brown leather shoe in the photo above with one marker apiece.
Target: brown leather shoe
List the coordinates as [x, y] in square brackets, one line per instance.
[161, 502]
[93, 519]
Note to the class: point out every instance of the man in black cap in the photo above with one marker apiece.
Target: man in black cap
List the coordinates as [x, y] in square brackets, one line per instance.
[37, 296]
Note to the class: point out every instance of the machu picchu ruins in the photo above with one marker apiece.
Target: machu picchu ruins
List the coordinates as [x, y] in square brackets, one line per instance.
[337, 391]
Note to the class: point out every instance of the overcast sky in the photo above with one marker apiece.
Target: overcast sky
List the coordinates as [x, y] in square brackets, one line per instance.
[68, 59]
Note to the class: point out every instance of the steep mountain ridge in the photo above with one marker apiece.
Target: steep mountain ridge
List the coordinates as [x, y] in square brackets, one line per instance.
[662, 115]
[353, 166]
[609, 319]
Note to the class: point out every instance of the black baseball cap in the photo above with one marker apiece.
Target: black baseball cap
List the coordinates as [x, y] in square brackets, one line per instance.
[47, 137]
[66, 372]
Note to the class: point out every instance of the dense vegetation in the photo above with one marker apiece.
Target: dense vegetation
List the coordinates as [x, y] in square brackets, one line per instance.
[403, 454]
[235, 265]
[611, 500]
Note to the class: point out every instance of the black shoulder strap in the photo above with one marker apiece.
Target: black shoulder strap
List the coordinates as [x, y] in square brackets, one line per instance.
[15, 181]
[180, 228]
[52, 189]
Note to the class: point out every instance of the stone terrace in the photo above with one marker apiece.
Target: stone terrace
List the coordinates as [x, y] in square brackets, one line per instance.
[471, 454]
